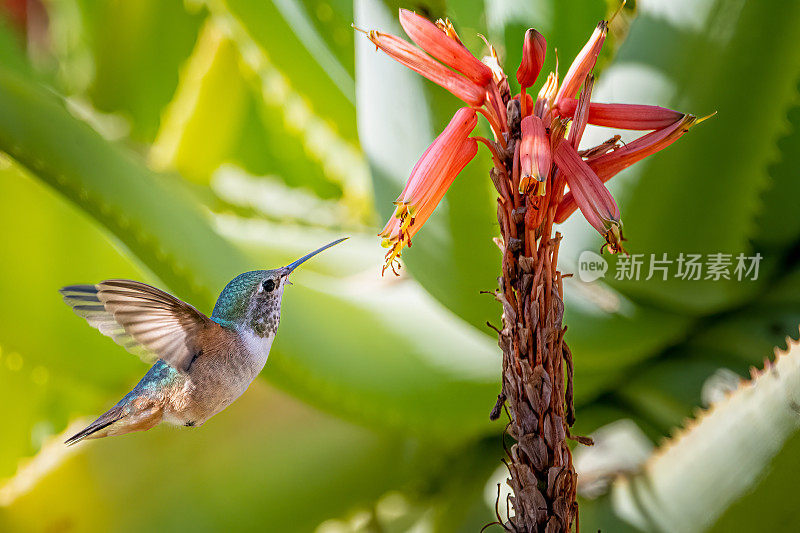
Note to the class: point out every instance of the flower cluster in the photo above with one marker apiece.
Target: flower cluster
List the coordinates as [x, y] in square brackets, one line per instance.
[536, 141]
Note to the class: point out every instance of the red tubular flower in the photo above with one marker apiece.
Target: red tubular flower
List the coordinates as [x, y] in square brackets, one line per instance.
[583, 64]
[534, 48]
[625, 116]
[591, 196]
[435, 157]
[534, 155]
[535, 133]
[437, 43]
[464, 153]
[421, 63]
[608, 165]
[431, 177]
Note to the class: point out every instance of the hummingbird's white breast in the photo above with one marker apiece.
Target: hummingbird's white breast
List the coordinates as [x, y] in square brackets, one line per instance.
[257, 348]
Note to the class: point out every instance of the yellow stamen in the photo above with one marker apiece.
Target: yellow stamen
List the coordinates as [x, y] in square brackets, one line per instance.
[447, 27]
[540, 188]
[699, 120]
[614, 240]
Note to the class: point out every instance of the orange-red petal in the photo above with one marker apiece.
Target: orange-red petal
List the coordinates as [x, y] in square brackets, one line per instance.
[591, 196]
[421, 63]
[431, 177]
[583, 64]
[609, 164]
[437, 43]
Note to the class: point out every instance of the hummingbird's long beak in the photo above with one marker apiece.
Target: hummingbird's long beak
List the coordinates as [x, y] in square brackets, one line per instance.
[291, 266]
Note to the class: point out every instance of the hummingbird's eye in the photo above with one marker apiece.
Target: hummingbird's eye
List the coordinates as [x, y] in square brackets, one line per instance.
[268, 285]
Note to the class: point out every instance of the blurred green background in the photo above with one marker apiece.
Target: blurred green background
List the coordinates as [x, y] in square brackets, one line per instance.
[181, 142]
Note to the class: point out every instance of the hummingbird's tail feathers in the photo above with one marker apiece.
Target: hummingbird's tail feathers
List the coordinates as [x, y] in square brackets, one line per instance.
[106, 419]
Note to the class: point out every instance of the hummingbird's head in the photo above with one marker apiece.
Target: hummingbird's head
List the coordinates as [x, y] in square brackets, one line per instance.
[252, 300]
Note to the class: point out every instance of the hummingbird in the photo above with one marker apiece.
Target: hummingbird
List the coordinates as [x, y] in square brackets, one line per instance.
[200, 364]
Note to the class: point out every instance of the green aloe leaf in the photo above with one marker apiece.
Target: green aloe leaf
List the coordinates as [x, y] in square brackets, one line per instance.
[702, 194]
[688, 483]
[284, 31]
[668, 391]
[203, 121]
[432, 374]
[599, 514]
[303, 132]
[332, 20]
[258, 465]
[778, 223]
[770, 505]
[59, 369]
[220, 115]
[630, 334]
[136, 49]
[12, 53]
[665, 390]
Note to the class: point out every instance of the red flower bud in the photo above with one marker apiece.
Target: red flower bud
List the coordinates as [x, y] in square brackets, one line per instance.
[591, 196]
[625, 116]
[583, 64]
[534, 48]
[437, 43]
[535, 158]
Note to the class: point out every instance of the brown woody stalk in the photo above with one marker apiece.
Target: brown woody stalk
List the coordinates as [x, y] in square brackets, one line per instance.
[537, 364]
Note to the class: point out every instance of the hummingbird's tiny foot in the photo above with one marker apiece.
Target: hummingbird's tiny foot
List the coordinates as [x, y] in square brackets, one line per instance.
[189, 424]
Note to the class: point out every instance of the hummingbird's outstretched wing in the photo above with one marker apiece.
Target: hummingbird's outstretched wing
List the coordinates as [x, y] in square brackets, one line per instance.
[144, 320]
